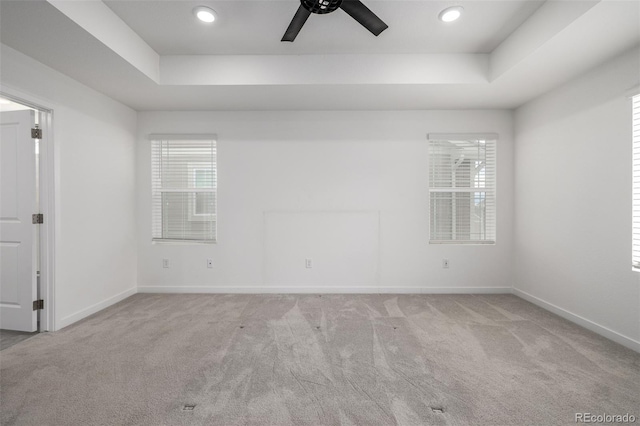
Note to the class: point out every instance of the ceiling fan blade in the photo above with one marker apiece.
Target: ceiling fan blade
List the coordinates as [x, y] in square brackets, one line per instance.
[296, 24]
[362, 14]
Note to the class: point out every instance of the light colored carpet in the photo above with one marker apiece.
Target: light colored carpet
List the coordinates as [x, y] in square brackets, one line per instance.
[317, 360]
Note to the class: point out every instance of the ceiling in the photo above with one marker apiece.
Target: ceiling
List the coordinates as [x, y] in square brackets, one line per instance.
[154, 55]
[256, 27]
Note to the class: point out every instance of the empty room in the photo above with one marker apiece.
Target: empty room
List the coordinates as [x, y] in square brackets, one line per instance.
[319, 212]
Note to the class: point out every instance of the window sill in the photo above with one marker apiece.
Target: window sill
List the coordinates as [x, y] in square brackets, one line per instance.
[466, 243]
[183, 242]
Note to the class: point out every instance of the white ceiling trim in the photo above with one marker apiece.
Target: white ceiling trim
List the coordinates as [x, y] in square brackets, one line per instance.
[208, 70]
[547, 22]
[86, 41]
[334, 69]
[107, 27]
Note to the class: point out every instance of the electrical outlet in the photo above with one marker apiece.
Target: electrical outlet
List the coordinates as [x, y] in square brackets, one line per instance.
[209, 263]
[445, 263]
[165, 263]
[307, 263]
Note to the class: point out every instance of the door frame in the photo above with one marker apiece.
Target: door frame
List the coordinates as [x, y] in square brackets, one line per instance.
[47, 185]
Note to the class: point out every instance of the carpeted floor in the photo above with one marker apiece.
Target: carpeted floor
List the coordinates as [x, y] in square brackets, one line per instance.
[317, 360]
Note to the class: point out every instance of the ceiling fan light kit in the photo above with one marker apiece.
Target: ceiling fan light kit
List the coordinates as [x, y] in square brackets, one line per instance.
[321, 6]
[354, 8]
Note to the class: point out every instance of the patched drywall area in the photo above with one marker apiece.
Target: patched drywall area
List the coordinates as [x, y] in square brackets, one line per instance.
[336, 248]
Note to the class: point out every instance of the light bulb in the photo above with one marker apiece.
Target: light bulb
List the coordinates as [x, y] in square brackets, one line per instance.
[450, 14]
[205, 14]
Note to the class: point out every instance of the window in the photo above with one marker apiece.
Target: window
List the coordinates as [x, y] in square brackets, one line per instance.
[203, 205]
[462, 188]
[635, 118]
[184, 188]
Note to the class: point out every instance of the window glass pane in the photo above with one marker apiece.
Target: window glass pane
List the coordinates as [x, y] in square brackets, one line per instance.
[458, 216]
[184, 184]
[205, 203]
[462, 190]
[459, 164]
[203, 178]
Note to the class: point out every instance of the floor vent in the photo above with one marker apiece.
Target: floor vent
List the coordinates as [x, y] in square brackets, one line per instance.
[438, 410]
[188, 407]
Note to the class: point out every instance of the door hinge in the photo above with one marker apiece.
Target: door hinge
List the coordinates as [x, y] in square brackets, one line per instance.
[36, 132]
[38, 305]
[37, 218]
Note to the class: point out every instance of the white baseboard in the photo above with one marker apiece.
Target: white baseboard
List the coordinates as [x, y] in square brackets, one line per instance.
[588, 324]
[70, 319]
[324, 290]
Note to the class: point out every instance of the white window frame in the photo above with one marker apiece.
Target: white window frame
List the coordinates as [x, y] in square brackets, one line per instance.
[635, 214]
[191, 167]
[490, 190]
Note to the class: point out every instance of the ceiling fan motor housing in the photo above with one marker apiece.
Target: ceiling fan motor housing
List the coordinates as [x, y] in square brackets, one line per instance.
[321, 6]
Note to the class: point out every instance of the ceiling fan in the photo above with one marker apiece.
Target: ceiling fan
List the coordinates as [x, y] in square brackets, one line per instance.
[354, 8]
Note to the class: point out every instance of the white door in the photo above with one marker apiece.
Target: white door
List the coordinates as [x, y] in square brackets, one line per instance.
[17, 233]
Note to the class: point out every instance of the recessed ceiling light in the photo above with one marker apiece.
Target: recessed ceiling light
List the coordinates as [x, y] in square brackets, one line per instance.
[450, 14]
[205, 14]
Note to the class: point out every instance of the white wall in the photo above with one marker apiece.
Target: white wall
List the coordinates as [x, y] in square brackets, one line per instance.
[94, 149]
[573, 201]
[347, 189]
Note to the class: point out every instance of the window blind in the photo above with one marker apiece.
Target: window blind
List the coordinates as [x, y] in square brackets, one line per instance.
[462, 189]
[635, 116]
[184, 189]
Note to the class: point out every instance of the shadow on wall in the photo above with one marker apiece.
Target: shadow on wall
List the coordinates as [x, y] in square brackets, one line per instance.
[555, 106]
